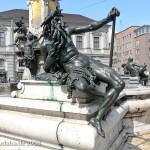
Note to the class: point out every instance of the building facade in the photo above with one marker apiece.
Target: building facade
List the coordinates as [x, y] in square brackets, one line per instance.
[94, 44]
[124, 48]
[8, 58]
[142, 45]
[133, 42]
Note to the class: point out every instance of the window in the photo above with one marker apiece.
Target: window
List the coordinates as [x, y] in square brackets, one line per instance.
[79, 42]
[127, 45]
[137, 43]
[147, 30]
[137, 60]
[96, 42]
[21, 63]
[1, 62]
[118, 48]
[2, 39]
[142, 30]
[137, 51]
[123, 46]
[125, 38]
[118, 41]
[126, 53]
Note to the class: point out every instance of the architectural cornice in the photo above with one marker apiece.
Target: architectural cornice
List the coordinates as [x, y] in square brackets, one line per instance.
[97, 32]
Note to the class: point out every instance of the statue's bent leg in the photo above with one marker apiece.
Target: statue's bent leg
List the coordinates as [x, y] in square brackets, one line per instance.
[109, 76]
[82, 85]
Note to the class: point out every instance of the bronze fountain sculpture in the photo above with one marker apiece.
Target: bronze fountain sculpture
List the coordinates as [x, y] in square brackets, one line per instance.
[130, 67]
[143, 78]
[25, 41]
[134, 70]
[68, 65]
[75, 69]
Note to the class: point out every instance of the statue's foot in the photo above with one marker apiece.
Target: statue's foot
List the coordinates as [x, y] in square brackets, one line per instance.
[97, 124]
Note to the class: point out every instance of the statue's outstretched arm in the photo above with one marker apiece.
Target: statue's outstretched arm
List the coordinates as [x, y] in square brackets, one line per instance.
[98, 24]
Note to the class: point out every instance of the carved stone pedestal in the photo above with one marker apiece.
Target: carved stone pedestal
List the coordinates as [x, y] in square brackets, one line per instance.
[42, 118]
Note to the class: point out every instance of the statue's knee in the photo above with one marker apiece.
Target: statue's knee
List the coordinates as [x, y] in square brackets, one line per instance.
[120, 85]
[81, 86]
[46, 69]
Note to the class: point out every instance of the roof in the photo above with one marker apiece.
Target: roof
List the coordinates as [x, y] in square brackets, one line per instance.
[73, 18]
[127, 29]
[15, 13]
[142, 27]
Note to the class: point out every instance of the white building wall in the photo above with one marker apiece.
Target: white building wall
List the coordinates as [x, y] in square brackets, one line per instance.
[7, 51]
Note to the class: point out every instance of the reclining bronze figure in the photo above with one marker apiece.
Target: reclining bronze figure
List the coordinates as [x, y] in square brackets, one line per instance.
[79, 71]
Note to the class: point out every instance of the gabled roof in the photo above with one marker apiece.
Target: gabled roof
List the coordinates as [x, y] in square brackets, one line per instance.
[75, 18]
[15, 13]
[70, 18]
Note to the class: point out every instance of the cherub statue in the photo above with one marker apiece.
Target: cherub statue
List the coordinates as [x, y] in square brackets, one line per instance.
[29, 54]
[136, 70]
[130, 68]
[21, 30]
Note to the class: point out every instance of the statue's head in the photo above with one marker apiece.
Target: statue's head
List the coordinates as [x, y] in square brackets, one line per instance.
[145, 65]
[53, 18]
[123, 65]
[130, 59]
[57, 16]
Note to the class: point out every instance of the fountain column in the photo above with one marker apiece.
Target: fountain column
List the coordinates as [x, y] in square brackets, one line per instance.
[38, 10]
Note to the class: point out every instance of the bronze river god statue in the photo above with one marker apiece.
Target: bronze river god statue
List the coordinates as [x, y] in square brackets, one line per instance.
[79, 71]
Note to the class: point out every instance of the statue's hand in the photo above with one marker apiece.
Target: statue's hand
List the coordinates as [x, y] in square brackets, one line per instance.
[113, 13]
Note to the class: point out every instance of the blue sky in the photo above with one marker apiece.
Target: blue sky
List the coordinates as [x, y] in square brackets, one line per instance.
[133, 12]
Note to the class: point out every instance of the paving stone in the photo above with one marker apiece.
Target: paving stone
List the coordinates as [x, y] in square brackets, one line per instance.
[138, 143]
